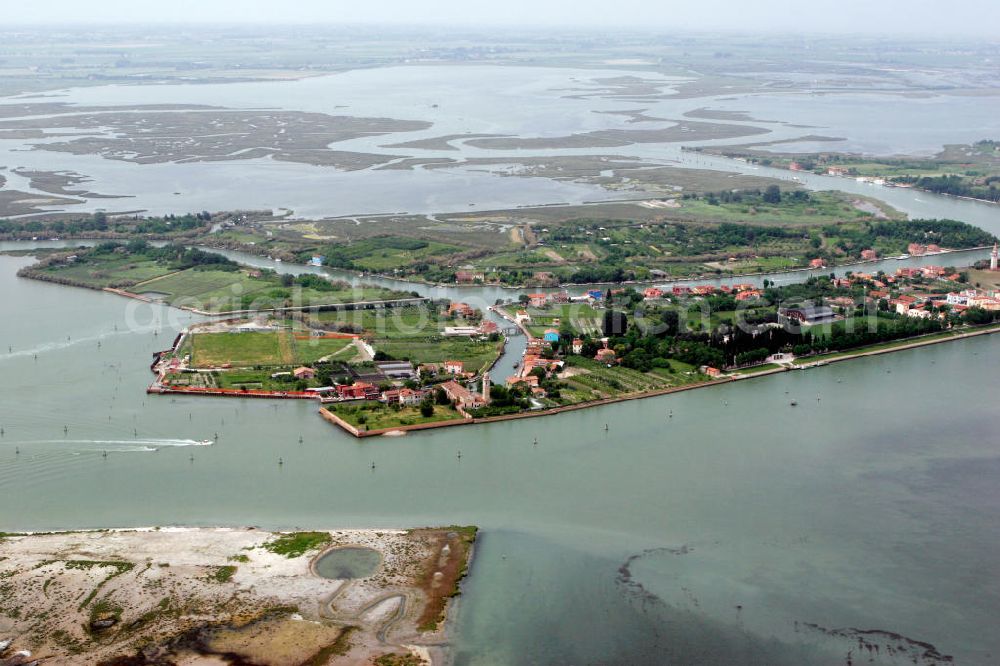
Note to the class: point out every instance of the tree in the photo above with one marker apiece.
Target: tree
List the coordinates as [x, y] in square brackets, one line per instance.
[287, 279]
[440, 397]
[426, 409]
[615, 323]
[772, 195]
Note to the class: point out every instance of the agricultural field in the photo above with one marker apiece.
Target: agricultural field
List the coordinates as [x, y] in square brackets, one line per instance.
[415, 334]
[589, 380]
[390, 323]
[477, 355]
[582, 317]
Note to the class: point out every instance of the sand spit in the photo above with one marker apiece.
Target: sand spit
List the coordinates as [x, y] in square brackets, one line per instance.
[176, 596]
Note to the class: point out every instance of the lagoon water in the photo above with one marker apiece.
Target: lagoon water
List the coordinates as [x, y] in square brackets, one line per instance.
[713, 527]
[457, 99]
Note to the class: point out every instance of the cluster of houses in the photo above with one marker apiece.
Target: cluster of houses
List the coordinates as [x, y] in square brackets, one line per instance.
[741, 292]
[533, 358]
[477, 326]
[369, 387]
[881, 288]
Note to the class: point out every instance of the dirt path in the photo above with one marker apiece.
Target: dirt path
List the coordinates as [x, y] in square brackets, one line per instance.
[555, 256]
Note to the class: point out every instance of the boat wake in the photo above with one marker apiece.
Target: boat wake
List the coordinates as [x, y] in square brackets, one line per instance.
[118, 445]
[59, 345]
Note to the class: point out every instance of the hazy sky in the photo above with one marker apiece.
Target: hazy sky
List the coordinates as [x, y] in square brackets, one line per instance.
[979, 17]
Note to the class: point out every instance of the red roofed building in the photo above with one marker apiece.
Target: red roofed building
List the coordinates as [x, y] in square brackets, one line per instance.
[526, 380]
[652, 292]
[461, 310]
[605, 356]
[869, 255]
[903, 303]
[358, 391]
[877, 295]
[817, 263]
[462, 396]
[453, 367]
[749, 295]
[538, 300]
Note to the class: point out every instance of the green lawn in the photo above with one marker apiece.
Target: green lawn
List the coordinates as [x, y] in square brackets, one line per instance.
[311, 350]
[267, 348]
[206, 290]
[755, 368]
[376, 416]
[476, 355]
[113, 271]
[391, 323]
[270, 348]
[223, 291]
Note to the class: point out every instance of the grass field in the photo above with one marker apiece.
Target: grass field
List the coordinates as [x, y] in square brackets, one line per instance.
[475, 355]
[267, 348]
[242, 349]
[375, 416]
[112, 272]
[223, 291]
[390, 323]
[311, 350]
[822, 208]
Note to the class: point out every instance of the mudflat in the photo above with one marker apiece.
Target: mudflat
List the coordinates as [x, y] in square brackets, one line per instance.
[185, 595]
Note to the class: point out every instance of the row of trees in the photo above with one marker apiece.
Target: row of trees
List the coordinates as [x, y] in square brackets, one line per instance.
[99, 224]
[959, 186]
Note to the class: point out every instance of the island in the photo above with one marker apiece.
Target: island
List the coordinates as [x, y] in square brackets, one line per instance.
[186, 595]
[199, 281]
[692, 233]
[970, 171]
[389, 371]
[625, 344]
[397, 355]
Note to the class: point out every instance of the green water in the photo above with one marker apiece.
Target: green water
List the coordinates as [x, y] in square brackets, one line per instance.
[876, 507]
[348, 563]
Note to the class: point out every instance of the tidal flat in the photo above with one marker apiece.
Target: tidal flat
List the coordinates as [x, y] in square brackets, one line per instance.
[227, 595]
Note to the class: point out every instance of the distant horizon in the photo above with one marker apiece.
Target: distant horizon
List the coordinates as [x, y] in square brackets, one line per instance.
[918, 18]
[989, 37]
